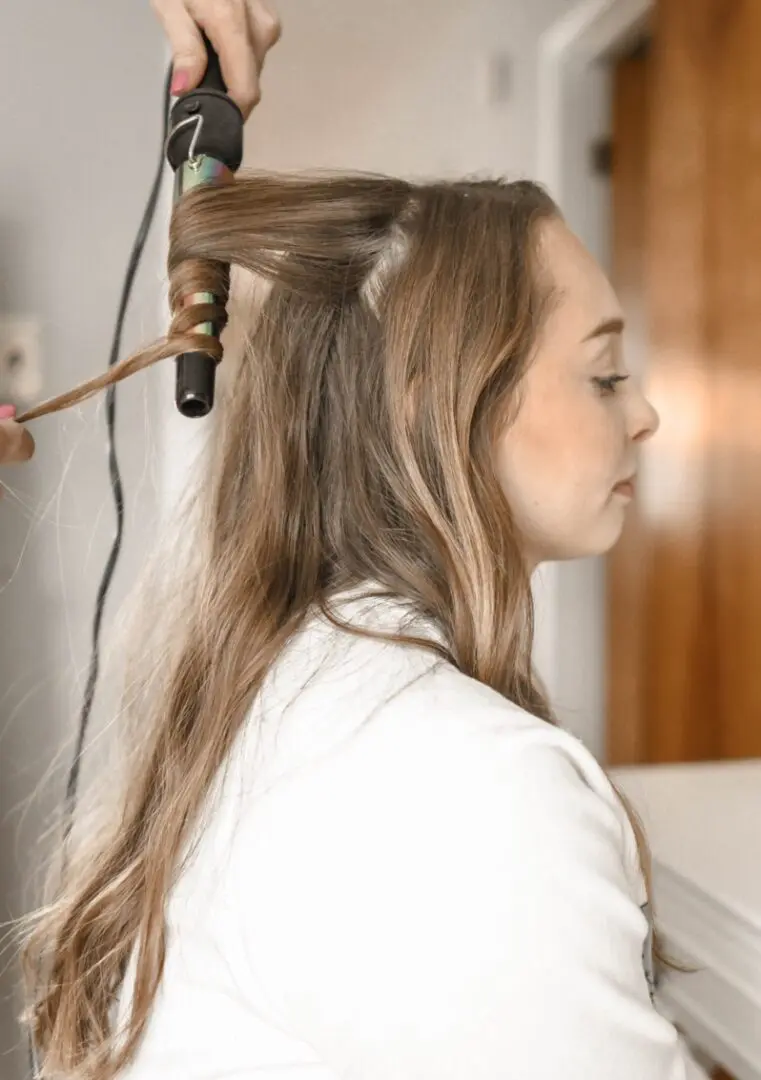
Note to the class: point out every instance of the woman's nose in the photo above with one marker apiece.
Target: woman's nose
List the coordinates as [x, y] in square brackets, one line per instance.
[646, 420]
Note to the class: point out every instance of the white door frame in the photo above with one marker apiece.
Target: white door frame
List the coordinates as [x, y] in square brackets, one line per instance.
[587, 33]
[591, 30]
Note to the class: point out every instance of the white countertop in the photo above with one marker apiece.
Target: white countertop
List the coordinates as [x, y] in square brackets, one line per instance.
[703, 824]
[703, 821]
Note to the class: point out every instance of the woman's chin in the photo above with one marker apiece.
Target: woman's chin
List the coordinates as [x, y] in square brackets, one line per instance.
[598, 541]
[611, 534]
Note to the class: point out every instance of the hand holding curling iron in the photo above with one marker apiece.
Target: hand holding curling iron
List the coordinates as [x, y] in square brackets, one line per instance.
[242, 33]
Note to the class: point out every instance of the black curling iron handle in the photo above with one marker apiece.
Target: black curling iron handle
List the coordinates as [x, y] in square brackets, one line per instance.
[196, 371]
[212, 79]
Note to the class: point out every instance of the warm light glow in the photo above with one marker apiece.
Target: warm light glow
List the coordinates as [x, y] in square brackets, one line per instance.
[710, 421]
[671, 490]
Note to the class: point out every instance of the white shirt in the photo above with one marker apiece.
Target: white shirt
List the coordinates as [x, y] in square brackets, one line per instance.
[403, 876]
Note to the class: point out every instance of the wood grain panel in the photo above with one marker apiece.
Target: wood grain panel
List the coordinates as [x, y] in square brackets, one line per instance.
[660, 641]
[684, 585]
[733, 273]
[679, 628]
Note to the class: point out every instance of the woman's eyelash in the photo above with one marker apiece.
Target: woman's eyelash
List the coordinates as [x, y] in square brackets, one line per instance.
[608, 384]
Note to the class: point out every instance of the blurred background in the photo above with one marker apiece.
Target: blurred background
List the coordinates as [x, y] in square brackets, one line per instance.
[643, 117]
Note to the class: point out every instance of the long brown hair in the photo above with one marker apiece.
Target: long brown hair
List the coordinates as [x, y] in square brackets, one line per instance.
[353, 441]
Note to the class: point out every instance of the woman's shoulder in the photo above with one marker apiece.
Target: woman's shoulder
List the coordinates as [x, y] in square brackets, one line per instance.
[387, 716]
[446, 712]
[450, 735]
[413, 693]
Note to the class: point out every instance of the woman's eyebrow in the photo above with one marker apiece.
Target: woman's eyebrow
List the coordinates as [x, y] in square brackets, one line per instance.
[607, 326]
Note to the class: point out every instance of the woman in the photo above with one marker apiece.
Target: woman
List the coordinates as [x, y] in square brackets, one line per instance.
[350, 840]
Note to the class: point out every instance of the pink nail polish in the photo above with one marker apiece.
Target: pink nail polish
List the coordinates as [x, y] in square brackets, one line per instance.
[180, 81]
[7, 412]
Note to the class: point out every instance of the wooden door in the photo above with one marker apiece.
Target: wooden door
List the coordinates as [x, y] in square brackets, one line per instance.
[684, 585]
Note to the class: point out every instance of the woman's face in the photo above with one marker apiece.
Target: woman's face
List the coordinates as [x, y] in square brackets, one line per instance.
[581, 418]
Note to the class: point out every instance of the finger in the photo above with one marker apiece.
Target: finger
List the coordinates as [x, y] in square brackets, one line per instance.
[226, 25]
[265, 28]
[16, 444]
[185, 41]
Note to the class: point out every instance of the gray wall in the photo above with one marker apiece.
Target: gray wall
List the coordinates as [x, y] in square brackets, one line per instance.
[80, 113]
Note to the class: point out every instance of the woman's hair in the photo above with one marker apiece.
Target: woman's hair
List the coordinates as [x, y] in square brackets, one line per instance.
[381, 354]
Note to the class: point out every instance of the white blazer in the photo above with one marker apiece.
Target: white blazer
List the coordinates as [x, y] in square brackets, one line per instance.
[402, 876]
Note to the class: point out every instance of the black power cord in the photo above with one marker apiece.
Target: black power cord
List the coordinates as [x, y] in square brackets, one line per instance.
[113, 468]
[118, 493]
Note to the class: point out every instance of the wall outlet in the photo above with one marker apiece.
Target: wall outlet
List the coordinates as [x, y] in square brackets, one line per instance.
[20, 359]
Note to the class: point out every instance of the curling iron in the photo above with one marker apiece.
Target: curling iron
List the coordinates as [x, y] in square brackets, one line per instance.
[205, 145]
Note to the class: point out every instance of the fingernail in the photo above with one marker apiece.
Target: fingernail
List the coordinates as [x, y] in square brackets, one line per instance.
[180, 81]
[7, 412]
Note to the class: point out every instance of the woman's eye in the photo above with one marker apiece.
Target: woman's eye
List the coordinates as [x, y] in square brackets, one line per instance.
[607, 385]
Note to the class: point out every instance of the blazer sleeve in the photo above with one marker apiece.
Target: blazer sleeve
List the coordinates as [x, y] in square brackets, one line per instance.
[472, 920]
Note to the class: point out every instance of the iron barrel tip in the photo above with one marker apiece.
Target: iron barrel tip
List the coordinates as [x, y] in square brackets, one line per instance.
[194, 395]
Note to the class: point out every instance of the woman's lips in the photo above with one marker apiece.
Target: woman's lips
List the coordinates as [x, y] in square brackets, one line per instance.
[625, 487]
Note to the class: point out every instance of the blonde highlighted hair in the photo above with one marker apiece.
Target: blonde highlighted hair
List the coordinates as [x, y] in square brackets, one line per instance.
[353, 441]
